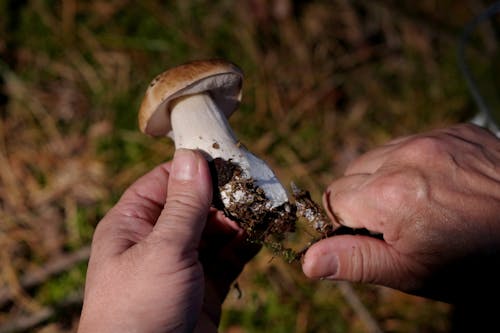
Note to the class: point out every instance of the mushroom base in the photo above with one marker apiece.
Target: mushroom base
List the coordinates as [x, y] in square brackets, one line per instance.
[246, 204]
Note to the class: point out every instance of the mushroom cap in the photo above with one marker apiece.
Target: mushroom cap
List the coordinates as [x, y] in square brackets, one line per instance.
[221, 79]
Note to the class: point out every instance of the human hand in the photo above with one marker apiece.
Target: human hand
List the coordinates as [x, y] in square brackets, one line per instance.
[435, 198]
[154, 265]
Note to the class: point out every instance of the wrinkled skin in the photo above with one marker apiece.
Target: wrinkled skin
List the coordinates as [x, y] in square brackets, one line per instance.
[162, 260]
[435, 197]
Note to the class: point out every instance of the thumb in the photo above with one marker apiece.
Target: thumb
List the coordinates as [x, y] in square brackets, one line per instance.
[352, 258]
[189, 195]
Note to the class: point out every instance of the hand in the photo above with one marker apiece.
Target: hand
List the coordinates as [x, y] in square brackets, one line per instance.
[154, 265]
[435, 198]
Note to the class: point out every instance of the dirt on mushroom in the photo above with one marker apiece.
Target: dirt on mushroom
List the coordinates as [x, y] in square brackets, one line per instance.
[246, 203]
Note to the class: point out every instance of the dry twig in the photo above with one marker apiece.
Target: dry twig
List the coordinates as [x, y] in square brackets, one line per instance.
[54, 267]
[25, 323]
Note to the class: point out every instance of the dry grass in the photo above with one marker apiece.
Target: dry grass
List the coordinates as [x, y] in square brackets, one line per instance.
[325, 82]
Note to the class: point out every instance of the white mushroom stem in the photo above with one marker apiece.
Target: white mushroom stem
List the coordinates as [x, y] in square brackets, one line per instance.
[197, 123]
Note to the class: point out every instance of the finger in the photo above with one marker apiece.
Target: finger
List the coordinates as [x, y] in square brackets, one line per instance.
[132, 218]
[224, 251]
[223, 263]
[189, 196]
[346, 203]
[381, 202]
[222, 237]
[145, 199]
[219, 228]
[354, 258]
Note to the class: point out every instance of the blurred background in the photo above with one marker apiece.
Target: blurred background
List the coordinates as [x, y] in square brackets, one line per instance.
[326, 80]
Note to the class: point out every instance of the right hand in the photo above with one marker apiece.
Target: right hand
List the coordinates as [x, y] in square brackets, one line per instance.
[435, 198]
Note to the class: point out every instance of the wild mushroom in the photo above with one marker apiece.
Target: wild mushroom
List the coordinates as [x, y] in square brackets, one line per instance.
[190, 103]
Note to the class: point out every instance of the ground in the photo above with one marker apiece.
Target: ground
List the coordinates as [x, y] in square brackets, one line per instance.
[325, 81]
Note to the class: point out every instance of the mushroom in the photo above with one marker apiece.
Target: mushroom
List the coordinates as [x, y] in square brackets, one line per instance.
[190, 103]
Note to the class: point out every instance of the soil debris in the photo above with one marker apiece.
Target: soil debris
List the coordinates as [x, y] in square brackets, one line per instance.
[245, 203]
[311, 211]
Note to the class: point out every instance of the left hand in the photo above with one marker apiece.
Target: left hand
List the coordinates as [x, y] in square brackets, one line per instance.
[156, 264]
[435, 199]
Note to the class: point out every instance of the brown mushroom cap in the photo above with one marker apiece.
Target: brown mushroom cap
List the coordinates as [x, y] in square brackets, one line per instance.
[221, 79]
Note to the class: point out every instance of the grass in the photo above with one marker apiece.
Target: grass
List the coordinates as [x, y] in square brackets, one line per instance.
[325, 82]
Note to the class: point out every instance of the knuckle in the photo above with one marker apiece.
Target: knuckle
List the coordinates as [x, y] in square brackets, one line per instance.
[187, 201]
[466, 129]
[400, 188]
[361, 267]
[424, 149]
[357, 265]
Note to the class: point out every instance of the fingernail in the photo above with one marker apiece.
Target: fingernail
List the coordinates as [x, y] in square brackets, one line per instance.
[326, 203]
[185, 165]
